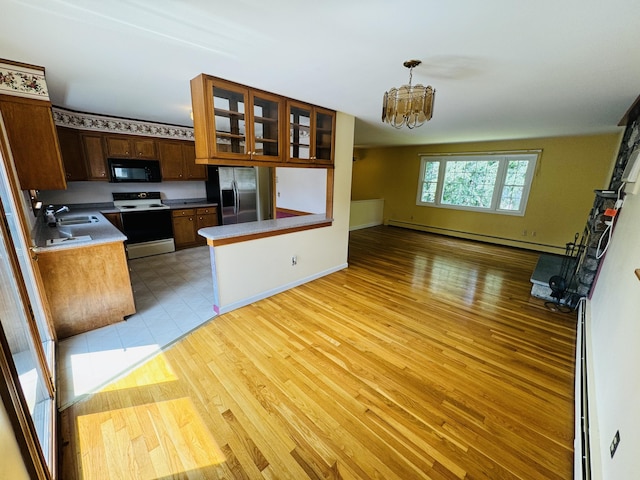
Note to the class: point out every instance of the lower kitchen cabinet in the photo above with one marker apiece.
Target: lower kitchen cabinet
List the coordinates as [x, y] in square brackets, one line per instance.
[87, 287]
[187, 222]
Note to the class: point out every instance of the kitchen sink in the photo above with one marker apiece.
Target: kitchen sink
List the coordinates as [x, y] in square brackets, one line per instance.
[68, 240]
[79, 220]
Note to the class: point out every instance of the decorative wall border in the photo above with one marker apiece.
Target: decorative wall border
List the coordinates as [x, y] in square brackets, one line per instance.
[102, 123]
[22, 81]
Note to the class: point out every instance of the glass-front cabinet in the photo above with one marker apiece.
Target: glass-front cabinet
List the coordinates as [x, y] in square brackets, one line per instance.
[239, 125]
[237, 122]
[311, 133]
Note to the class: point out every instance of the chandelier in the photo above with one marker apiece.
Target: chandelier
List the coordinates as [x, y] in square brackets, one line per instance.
[409, 105]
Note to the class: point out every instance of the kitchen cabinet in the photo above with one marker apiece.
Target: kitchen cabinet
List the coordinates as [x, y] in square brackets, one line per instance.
[237, 123]
[125, 146]
[94, 154]
[177, 161]
[311, 134]
[115, 219]
[72, 154]
[34, 143]
[86, 287]
[184, 227]
[187, 222]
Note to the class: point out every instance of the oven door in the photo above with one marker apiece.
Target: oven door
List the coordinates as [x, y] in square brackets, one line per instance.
[147, 226]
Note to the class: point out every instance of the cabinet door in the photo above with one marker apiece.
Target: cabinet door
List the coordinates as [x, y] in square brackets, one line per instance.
[118, 146]
[115, 219]
[206, 217]
[324, 136]
[34, 143]
[94, 155]
[193, 170]
[266, 115]
[145, 148]
[171, 161]
[299, 143]
[230, 120]
[184, 227]
[72, 154]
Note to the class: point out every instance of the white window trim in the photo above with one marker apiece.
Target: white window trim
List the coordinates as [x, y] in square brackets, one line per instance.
[531, 156]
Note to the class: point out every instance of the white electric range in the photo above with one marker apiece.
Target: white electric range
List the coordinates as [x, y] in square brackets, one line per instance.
[146, 222]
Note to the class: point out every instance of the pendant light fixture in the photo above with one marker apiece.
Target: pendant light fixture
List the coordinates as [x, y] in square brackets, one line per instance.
[409, 105]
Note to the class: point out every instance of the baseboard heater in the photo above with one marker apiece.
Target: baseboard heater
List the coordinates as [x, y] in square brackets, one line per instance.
[582, 458]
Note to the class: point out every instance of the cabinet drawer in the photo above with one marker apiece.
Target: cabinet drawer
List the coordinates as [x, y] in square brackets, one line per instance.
[183, 213]
[207, 210]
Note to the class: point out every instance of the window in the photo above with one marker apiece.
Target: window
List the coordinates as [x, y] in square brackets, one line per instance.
[497, 183]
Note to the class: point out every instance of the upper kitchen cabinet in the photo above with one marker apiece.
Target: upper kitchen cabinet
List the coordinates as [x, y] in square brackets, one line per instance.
[235, 124]
[311, 134]
[178, 161]
[124, 146]
[94, 154]
[72, 154]
[28, 120]
[34, 143]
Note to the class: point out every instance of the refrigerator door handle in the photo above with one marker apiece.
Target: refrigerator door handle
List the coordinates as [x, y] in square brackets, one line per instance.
[236, 205]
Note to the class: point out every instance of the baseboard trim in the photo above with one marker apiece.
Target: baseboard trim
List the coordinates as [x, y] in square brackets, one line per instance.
[366, 225]
[539, 247]
[268, 293]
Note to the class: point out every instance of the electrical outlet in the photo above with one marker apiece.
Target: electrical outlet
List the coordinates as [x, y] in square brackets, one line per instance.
[533, 233]
[614, 443]
[524, 233]
[294, 260]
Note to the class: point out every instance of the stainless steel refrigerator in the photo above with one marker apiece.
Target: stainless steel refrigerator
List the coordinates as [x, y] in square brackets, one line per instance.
[234, 189]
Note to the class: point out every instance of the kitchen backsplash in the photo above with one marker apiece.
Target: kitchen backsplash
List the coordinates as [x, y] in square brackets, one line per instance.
[100, 192]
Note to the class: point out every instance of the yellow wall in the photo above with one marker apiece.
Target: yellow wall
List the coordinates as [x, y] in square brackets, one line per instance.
[568, 171]
[12, 466]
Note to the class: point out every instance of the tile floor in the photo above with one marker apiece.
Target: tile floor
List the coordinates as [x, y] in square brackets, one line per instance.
[173, 294]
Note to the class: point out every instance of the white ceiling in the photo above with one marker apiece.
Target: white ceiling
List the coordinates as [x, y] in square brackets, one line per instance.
[502, 69]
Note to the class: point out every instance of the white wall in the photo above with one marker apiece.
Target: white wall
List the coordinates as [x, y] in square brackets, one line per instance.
[301, 189]
[366, 213]
[100, 192]
[248, 271]
[614, 343]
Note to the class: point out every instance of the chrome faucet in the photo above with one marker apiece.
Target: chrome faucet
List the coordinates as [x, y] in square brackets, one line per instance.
[50, 214]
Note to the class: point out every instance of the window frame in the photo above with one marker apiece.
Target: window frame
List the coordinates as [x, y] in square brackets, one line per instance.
[531, 156]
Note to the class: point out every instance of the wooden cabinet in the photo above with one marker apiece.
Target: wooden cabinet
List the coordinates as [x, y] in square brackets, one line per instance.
[234, 122]
[115, 219]
[34, 143]
[311, 134]
[125, 146]
[184, 227]
[187, 222]
[72, 154]
[94, 155]
[177, 161]
[87, 287]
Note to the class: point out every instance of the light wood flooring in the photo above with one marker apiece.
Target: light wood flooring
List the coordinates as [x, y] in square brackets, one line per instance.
[425, 359]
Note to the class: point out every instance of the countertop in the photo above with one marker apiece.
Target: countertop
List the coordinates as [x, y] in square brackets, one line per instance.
[100, 232]
[262, 227]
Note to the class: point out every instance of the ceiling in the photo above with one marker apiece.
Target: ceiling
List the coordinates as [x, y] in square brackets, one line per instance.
[501, 69]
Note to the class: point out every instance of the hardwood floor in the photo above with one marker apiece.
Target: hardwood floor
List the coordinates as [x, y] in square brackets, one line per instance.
[425, 359]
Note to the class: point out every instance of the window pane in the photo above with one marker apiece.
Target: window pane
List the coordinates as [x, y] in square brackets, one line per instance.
[469, 183]
[511, 198]
[429, 182]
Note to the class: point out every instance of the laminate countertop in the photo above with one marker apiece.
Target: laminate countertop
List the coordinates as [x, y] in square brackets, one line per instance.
[250, 230]
[98, 232]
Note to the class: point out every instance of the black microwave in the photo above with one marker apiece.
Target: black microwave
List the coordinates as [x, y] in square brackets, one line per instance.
[126, 170]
